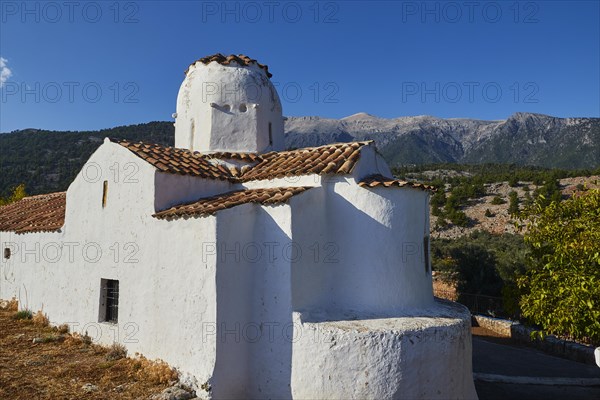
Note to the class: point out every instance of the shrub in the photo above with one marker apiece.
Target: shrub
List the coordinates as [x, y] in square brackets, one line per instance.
[497, 200]
[39, 318]
[49, 338]
[438, 199]
[458, 218]
[513, 206]
[10, 305]
[481, 261]
[23, 314]
[115, 352]
[158, 371]
[18, 193]
[473, 267]
[561, 290]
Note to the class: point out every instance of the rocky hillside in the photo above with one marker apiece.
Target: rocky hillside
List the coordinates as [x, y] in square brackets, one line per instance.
[499, 220]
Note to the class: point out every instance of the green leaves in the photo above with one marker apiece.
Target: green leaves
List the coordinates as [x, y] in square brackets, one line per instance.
[561, 289]
[17, 194]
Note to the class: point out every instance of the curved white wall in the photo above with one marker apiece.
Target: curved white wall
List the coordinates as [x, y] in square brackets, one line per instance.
[370, 249]
[228, 108]
[422, 354]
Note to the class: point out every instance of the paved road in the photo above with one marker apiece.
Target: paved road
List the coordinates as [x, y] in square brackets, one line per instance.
[505, 371]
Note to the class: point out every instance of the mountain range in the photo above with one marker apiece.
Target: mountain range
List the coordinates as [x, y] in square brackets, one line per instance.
[49, 160]
[523, 138]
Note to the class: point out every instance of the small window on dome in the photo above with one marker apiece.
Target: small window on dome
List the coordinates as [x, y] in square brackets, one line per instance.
[226, 107]
[243, 108]
[270, 134]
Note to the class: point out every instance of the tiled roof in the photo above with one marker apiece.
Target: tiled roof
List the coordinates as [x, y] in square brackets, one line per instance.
[226, 60]
[338, 158]
[177, 161]
[40, 213]
[381, 181]
[211, 205]
[226, 155]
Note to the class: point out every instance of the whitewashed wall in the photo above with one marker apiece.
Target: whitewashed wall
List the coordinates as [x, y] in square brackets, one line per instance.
[421, 354]
[368, 261]
[253, 303]
[245, 101]
[194, 292]
[167, 285]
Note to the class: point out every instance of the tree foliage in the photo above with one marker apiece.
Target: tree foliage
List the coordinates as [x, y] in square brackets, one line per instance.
[513, 206]
[561, 290]
[482, 263]
[48, 161]
[17, 194]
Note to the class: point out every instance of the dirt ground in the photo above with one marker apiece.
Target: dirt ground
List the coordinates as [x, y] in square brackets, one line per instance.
[61, 367]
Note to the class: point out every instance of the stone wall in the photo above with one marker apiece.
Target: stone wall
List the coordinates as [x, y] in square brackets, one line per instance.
[550, 344]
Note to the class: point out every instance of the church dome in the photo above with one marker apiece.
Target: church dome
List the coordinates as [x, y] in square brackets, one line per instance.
[228, 103]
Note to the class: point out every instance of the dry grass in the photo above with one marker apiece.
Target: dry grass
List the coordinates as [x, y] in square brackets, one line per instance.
[9, 305]
[58, 365]
[158, 372]
[444, 289]
[41, 319]
[115, 352]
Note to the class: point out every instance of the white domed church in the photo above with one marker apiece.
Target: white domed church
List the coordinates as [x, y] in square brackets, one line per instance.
[257, 272]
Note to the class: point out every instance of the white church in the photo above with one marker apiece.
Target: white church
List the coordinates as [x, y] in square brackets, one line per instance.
[255, 271]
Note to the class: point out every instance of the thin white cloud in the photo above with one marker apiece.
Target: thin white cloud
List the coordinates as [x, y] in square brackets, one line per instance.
[5, 72]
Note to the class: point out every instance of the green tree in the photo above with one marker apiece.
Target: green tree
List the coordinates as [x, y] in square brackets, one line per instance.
[458, 218]
[471, 265]
[438, 199]
[497, 200]
[513, 205]
[17, 194]
[561, 289]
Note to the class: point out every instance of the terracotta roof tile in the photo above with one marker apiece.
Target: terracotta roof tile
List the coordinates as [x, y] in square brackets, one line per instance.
[381, 181]
[42, 213]
[225, 155]
[226, 60]
[211, 205]
[177, 161]
[338, 158]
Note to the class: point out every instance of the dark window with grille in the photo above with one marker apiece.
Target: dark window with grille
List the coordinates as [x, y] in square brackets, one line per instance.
[109, 301]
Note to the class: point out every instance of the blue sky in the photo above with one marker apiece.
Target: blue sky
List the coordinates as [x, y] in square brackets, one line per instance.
[92, 65]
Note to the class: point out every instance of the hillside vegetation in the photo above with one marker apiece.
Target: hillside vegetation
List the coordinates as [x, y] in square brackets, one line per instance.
[48, 161]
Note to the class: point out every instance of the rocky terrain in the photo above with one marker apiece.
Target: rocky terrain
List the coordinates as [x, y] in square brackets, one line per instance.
[501, 221]
[523, 138]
